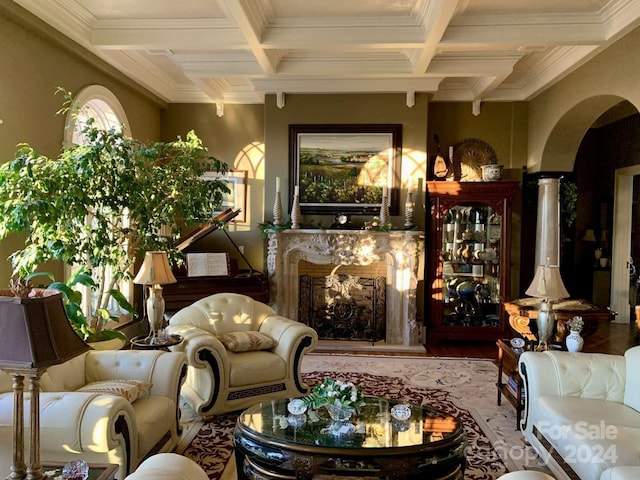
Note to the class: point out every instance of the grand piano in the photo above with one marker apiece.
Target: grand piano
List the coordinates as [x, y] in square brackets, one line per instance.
[188, 289]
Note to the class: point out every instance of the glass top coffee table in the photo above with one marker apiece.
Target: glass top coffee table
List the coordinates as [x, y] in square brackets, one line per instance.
[272, 443]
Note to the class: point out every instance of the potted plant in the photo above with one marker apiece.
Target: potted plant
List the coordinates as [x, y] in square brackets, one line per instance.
[102, 204]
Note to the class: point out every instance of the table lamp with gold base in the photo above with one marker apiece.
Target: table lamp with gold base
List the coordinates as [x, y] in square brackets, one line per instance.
[155, 272]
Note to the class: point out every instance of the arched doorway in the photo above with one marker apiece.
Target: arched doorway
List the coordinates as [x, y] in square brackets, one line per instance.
[560, 153]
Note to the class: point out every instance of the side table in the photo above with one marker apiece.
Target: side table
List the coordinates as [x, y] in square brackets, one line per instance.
[143, 342]
[97, 471]
[513, 389]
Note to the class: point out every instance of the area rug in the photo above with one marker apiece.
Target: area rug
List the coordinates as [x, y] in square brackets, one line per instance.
[462, 387]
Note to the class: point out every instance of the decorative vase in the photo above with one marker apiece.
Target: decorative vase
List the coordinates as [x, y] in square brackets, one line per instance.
[339, 413]
[574, 341]
[340, 417]
[491, 172]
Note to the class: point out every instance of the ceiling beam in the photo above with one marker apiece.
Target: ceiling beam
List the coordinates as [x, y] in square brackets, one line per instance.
[349, 85]
[436, 18]
[252, 28]
[487, 30]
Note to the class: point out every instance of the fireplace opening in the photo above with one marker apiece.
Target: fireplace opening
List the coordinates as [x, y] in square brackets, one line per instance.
[343, 306]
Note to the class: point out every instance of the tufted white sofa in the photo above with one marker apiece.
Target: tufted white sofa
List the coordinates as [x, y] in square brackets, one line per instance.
[582, 413]
[95, 427]
[219, 380]
[168, 466]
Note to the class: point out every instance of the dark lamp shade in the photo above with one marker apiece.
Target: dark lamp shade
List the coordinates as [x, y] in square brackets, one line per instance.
[35, 331]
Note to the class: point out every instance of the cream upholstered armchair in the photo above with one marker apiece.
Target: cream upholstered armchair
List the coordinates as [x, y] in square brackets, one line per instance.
[83, 418]
[239, 352]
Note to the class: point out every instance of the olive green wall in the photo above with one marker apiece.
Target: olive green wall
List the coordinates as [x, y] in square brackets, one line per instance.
[35, 61]
[236, 138]
[503, 125]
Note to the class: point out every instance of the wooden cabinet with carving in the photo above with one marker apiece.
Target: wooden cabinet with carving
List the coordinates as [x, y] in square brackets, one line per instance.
[468, 259]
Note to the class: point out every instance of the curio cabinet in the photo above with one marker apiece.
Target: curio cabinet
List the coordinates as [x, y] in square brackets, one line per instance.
[468, 259]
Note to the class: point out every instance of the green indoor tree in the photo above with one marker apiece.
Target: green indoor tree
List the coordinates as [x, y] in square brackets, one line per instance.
[101, 205]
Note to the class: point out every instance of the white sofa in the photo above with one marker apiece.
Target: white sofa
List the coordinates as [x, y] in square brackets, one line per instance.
[98, 427]
[220, 380]
[168, 466]
[582, 413]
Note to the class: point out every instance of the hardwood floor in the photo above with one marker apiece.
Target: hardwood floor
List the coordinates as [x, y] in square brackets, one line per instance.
[613, 338]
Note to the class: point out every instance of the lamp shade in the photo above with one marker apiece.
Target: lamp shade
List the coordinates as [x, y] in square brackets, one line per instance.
[589, 235]
[35, 331]
[547, 283]
[155, 270]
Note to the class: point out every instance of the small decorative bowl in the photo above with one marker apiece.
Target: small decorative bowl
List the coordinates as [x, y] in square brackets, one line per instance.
[296, 406]
[491, 172]
[401, 412]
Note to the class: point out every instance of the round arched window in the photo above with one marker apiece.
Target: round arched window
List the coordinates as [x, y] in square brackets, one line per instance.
[97, 102]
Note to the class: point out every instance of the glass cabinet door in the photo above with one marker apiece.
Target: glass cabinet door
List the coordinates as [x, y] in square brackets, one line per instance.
[471, 253]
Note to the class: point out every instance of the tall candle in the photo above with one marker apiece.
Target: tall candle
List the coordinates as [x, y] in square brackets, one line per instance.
[296, 190]
[409, 185]
[384, 192]
[450, 152]
[277, 184]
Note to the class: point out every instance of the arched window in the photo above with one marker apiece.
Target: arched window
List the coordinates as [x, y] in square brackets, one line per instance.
[97, 102]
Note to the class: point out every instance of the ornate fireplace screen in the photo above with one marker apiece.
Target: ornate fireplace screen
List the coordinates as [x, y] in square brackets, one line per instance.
[344, 307]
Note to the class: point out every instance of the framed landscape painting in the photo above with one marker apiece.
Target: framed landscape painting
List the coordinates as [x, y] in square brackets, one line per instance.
[344, 168]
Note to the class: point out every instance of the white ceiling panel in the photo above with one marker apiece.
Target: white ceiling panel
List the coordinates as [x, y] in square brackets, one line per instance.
[236, 51]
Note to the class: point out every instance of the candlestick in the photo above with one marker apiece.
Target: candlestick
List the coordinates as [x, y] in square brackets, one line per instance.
[409, 208]
[295, 209]
[277, 184]
[277, 210]
[385, 218]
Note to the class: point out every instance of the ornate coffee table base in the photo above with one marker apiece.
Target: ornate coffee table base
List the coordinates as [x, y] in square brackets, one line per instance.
[258, 462]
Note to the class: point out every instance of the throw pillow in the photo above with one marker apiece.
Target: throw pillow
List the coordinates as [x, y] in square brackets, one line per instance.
[247, 341]
[131, 390]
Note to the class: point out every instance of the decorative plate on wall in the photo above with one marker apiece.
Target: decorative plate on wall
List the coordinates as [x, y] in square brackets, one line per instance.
[469, 155]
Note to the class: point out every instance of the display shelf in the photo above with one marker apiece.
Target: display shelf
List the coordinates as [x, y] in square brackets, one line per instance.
[468, 259]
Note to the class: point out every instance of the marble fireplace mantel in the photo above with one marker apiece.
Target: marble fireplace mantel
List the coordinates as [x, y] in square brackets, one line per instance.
[401, 251]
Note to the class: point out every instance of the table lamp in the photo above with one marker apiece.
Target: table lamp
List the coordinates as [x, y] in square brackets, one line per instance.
[155, 271]
[36, 334]
[547, 285]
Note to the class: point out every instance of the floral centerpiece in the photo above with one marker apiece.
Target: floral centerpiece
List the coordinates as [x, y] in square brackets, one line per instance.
[337, 395]
[576, 324]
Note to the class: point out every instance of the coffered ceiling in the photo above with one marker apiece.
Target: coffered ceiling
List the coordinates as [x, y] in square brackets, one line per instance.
[236, 51]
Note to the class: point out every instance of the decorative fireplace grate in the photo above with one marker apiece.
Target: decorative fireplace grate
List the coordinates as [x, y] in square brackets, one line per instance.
[344, 307]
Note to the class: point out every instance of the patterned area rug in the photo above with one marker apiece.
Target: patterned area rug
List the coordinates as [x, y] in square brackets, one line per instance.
[462, 387]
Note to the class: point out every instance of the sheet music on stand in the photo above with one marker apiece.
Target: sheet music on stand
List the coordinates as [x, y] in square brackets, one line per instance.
[206, 264]
[214, 224]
